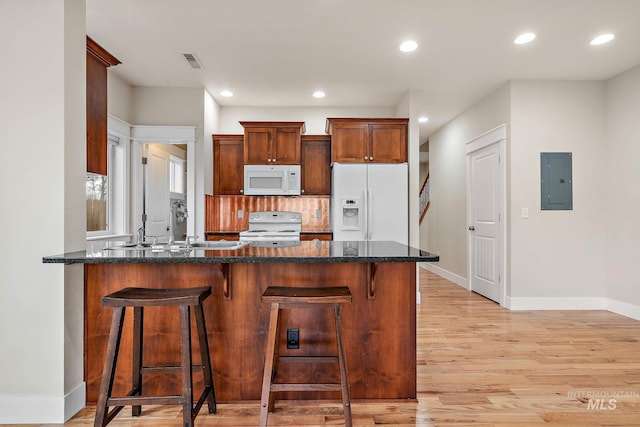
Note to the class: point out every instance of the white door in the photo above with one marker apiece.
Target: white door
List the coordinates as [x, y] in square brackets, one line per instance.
[485, 235]
[156, 192]
[388, 202]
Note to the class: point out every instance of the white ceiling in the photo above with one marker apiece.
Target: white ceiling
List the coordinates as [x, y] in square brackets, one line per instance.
[277, 52]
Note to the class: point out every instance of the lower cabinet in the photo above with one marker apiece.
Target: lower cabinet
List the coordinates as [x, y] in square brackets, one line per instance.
[314, 236]
[222, 236]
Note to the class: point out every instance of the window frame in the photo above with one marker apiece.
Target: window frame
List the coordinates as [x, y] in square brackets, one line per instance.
[119, 178]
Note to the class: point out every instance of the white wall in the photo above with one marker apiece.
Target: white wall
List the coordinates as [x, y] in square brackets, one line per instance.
[120, 95]
[406, 108]
[155, 106]
[619, 165]
[42, 109]
[582, 258]
[446, 221]
[315, 118]
[211, 124]
[557, 253]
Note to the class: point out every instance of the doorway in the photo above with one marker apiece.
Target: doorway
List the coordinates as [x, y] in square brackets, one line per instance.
[164, 192]
[163, 181]
[486, 219]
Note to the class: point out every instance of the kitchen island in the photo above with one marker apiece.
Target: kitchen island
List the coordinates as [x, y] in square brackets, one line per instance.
[379, 324]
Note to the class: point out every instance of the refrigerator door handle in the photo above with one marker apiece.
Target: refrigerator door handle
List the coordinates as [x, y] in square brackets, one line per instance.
[365, 222]
[369, 215]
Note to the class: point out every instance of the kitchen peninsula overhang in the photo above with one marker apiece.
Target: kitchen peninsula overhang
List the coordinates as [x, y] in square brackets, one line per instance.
[379, 326]
[304, 252]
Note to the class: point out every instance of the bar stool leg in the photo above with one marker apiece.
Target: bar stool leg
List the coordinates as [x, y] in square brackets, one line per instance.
[266, 403]
[205, 359]
[344, 377]
[136, 380]
[108, 373]
[187, 378]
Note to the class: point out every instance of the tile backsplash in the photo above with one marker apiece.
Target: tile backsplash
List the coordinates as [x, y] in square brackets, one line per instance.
[231, 213]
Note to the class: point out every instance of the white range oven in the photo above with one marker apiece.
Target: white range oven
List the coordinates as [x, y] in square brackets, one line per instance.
[273, 228]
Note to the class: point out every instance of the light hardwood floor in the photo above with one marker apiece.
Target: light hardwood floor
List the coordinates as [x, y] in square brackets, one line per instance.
[480, 365]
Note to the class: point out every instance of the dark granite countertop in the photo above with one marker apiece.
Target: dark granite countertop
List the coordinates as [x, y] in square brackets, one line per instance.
[302, 252]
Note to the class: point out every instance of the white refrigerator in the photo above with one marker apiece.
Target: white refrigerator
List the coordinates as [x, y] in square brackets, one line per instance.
[370, 202]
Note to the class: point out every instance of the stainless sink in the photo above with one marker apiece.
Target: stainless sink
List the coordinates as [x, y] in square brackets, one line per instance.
[219, 245]
[131, 246]
[181, 246]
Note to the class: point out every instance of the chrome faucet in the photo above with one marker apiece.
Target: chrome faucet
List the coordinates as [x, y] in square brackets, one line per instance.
[140, 236]
[190, 240]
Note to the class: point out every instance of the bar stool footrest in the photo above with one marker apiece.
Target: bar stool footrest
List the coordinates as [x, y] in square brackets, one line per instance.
[305, 387]
[168, 369]
[145, 400]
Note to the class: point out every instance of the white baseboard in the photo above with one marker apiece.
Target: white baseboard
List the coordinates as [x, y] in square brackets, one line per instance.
[458, 280]
[548, 303]
[75, 401]
[42, 409]
[623, 308]
[555, 303]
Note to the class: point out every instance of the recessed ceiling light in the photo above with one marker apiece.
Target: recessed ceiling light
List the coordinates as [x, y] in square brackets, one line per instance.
[423, 119]
[408, 46]
[318, 94]
[602, 39]
[524, 38]
[226, 93]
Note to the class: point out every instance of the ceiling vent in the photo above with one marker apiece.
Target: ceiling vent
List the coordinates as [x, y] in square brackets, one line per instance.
[192, 60]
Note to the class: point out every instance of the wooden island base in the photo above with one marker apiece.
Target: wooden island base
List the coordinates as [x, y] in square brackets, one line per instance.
[379, 326]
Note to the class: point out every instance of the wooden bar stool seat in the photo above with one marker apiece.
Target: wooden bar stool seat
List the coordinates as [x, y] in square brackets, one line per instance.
[138, 298]
[301, 298]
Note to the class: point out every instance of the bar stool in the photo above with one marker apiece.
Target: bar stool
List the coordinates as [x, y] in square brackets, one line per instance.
[138, 298]
[290, 298]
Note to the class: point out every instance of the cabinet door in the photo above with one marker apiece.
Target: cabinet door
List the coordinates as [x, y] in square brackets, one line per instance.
[306, 237]
[223, 236]
[349, 142]
[257, 145]
[315, 162]
[286, 146]
[387, 143]
[98, 60]
[228, 168]
[96, 116]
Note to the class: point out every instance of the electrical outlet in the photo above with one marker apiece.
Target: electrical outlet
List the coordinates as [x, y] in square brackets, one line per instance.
[240, 213]
[318, 213]
[293, 338]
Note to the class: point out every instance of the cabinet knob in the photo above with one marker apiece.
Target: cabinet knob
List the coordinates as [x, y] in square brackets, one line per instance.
[302, 191]
[371, 158]
[241, 190]
[366, 158]
[273, 160]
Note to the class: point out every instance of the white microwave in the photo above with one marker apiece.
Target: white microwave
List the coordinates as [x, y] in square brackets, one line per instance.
[272, 180]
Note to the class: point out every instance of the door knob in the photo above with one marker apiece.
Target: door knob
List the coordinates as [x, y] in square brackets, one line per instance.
[471, 228]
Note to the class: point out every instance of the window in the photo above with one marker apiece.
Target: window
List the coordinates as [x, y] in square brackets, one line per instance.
[176, 175]
[97, 189]
[106, 194]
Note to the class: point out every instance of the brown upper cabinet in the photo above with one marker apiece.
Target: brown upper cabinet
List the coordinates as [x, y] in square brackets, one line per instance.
[228, 167]
[315, 165]
[272, 143]
[368, 140]
[98, 60]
